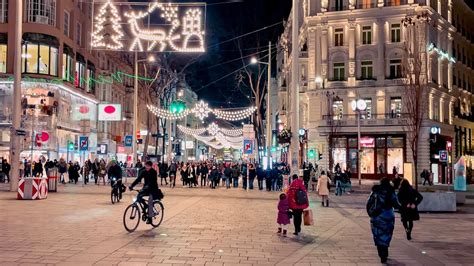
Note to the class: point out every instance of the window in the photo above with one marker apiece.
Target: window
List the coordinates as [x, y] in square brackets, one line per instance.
[41, 11]
[78, 33]
[366, 70]
[39, 59]
[67, 67]
[3, 11]
[368, 109]
[90, 84]
[395, 32]
[366, 35]
[339, 5]
[338, 37]
[80, 75]
[3, 58]
[339, 71]
[435, 110]
[337, 109]
[395, 107]
[66, 23]
[395, 68]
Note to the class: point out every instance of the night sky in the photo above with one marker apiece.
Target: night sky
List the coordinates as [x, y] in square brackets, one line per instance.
[227, 20]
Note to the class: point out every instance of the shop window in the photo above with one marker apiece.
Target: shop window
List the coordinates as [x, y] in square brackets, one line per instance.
[339, 71]
[381, 143]
[41, 11]
[3, 11]
[368, 110]
[395, 107]
[352, 163]
[68, 67]
[395, 32]
[367, 70]
[395, 68]
[367, 161]
[337, 109]
[394, 142]
[395, 160]
[339, 156]
[352, 142]
[39, 59]
[366, 35]
[381, 169]
[3, 58]
[339, 37]
[90, 84]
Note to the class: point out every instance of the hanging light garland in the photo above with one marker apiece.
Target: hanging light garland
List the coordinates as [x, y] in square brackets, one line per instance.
[213, 129]
[202, 110]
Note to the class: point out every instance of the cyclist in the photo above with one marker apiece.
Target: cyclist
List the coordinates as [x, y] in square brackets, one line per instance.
[115, 171]
[150, 187]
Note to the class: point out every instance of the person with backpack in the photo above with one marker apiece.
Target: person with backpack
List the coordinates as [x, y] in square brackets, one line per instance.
[409, 199]
[322, 188]
[298, 201]
[379, 207]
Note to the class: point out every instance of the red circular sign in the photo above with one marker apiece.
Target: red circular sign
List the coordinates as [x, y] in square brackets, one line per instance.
[84, 109]
[44, 136]
[109, 109]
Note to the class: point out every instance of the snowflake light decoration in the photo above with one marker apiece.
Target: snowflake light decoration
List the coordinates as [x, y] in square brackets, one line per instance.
[213, 129]
[202, 110]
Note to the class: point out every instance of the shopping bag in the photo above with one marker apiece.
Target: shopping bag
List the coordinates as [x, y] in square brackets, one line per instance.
[308, 217]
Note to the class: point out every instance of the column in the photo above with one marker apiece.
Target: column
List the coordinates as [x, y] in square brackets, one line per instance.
[318, 55]
[295, 119]
[450, 64]
[324, 52]
[380, 51]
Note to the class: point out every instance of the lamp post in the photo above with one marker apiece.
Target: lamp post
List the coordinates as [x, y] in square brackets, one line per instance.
[319, 81]
[358, 106]
[268, 139]
[135, 105]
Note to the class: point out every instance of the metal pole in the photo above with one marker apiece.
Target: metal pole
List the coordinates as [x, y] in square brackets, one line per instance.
[269, 113]
[169, 142]
[294, 91]
[185, 140]
[358, 148]
[32, 143]
[135, 112]
[16, 102]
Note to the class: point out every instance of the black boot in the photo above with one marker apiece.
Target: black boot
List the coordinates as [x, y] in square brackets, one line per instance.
[322, 203]
[327, 203]
[408, 231]
[279, 230]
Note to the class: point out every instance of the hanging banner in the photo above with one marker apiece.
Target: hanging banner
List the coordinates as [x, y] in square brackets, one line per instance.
[248, 146]
[110, 112]
[83, 111]
[148, 26]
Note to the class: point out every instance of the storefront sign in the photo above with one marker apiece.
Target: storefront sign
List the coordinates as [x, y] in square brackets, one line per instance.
[102, 149]
[366, 142]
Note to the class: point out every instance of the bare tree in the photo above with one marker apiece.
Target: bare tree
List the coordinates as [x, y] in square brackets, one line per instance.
[414, 73]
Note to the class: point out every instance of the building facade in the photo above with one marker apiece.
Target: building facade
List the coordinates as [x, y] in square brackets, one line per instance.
[354, 50]
[63, 81]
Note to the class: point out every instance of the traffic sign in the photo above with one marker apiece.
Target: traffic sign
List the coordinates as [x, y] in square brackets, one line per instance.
[443, 156]
[83, 143]
[248, 146]
[128, 141]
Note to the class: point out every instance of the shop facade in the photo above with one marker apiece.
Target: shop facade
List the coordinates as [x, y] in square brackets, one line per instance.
[381, 154]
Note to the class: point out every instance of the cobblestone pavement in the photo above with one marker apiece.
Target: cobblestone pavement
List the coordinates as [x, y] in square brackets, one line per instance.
[79, 226]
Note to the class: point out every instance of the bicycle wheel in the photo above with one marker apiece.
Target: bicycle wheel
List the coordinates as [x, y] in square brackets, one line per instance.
[159, 212]
[131, 217]
[113, 198]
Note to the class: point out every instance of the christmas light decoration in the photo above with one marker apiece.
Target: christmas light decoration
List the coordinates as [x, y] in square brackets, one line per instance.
[213, 129]
[181, 30]
[234, 115]
[442, 54]
[201, 110]
[101, 21]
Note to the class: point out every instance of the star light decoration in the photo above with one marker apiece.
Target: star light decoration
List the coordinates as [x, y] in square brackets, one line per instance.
[167, 35]
[201, 110]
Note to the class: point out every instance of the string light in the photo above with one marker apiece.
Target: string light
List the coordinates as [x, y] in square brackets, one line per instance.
[202, 110]
[98, 34]
[213, 129]
[441, 53]
[235, 115]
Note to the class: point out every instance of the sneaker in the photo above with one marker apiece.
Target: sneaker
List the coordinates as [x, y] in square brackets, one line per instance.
[383, 260]
[295, 233]
[279, 231]
[148, 221]
[284, 233]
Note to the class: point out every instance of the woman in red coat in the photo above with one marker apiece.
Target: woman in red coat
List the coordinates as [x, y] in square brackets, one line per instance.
[298, 199]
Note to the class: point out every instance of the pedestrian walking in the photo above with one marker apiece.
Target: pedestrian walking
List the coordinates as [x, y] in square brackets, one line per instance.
[252, 175]
[204, 171]
[227, 176]
[283, 219]
[260, 177]
[322, 189]
[6, 170]
[235, 175]
[163, 170]
[409, 199]
[380, 206]
[243, 172]
[298, 201]
[172, 170]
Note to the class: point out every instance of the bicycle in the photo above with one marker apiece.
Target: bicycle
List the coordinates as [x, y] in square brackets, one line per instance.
[138, 210]
[115, 194]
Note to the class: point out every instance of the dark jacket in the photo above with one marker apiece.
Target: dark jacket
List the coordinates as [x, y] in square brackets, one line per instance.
[383, 224]
[151, 181]
[115, 171]
[407, 197]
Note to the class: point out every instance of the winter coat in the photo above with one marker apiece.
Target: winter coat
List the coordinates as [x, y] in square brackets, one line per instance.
[383, 224]
[283, 206]
[322, 187]
[407, 197]
[294, 187]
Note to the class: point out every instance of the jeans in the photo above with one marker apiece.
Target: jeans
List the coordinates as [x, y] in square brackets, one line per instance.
[203, 180]
[260, 184]
[251, 183]
[227, 182]
[244, 182]
[236, 181]
[268, 184]
[297, 219]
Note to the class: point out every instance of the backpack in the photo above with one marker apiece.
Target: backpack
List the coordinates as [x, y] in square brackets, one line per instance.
[300, 197]
[374, 205]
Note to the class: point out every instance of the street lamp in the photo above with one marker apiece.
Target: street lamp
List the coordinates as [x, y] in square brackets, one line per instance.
[358, 106]
[268, 139]
[150, 59]
[319, 81]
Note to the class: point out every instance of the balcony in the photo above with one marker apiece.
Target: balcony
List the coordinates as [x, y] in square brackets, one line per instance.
[338, 8]
[366, 5]
[387, 119]
[395, 2]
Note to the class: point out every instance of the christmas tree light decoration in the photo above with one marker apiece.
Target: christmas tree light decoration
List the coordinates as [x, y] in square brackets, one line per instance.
[201, 110]
[102, 22]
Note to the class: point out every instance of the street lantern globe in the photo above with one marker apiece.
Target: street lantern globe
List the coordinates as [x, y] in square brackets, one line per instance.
[253, 60]
[318, 80]
[358, 105]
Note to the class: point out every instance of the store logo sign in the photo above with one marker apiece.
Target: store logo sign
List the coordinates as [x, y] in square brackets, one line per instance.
[367, 142]
[443, 156]
[435, 130]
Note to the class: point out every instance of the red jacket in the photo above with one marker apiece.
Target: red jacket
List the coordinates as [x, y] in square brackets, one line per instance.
[295, 186]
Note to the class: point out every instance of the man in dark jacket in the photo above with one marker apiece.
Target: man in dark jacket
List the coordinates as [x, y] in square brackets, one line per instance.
[150, 187]
[163, 168]
[6, 170]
